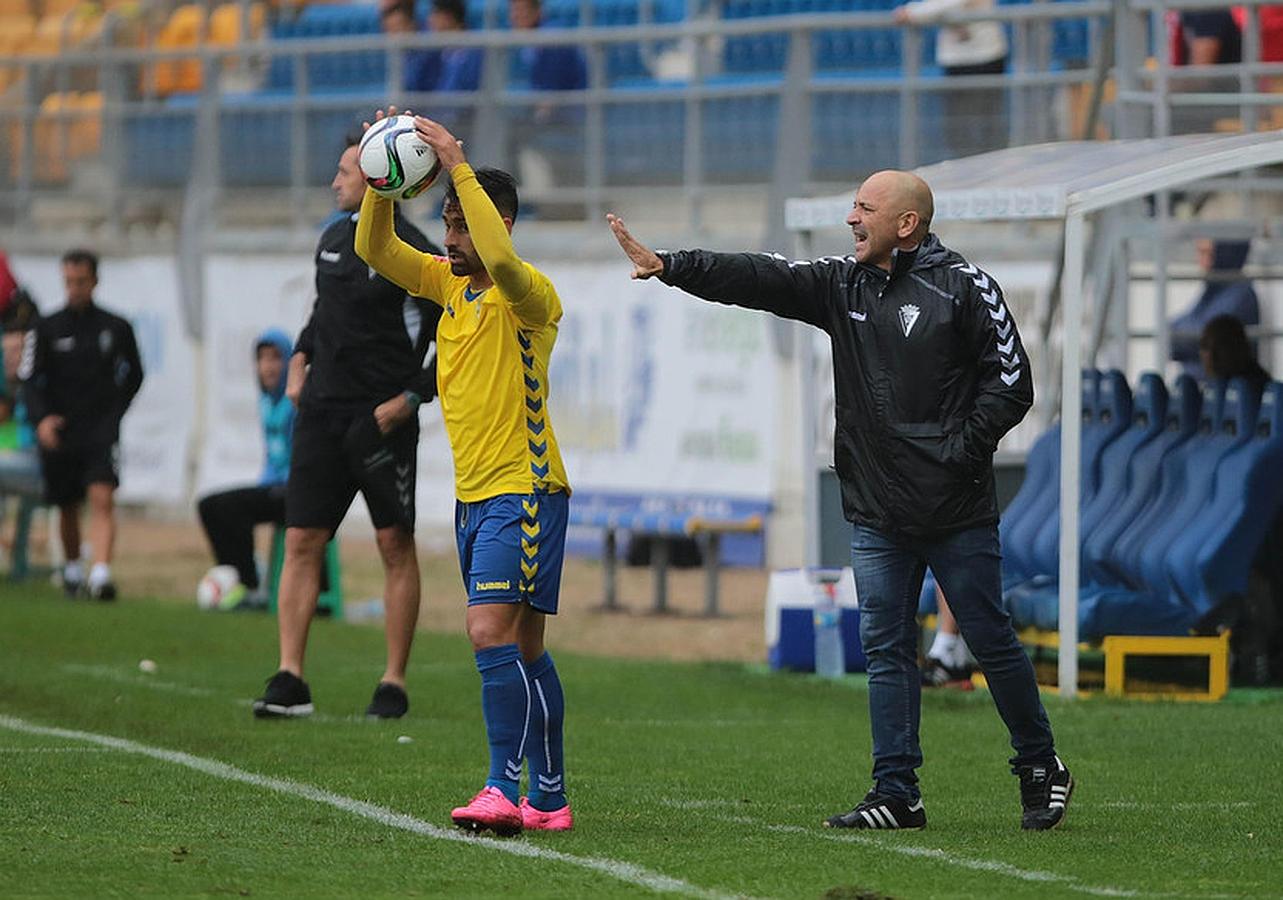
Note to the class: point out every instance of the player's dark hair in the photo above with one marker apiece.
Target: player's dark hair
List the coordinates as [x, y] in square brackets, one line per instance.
[353, 137]
[499, 186]
[453, 8]
[81, 257]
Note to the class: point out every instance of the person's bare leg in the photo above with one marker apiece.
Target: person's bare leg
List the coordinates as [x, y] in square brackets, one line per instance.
[299, 590]
[102, 521]
[944, 620]
[400, 598]
[69, 530]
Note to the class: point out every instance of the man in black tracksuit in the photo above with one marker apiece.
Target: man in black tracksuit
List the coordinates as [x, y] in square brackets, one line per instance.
[80, 371]
[929, 373]
[358, 376]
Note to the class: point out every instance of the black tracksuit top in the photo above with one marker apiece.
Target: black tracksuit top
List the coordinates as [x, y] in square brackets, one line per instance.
[357, 339]
[83, 365]
[928, 369]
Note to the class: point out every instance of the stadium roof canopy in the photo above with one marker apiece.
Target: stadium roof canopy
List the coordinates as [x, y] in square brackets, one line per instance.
[1069, 181]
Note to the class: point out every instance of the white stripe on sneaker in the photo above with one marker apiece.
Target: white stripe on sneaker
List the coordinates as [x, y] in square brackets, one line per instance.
[887, 812]
[868, 818]
[876, 812]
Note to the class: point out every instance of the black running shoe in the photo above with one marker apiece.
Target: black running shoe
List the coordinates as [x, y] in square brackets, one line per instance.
[936, 674]
[1044, 793]
[287, 696]
[879, 811]
[390, 702]
[105, 591]
[72, 589]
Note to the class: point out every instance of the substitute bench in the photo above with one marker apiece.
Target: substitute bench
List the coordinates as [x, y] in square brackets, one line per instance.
[706, 531]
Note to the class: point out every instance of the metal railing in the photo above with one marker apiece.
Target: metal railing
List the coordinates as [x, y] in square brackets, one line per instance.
[815, 122]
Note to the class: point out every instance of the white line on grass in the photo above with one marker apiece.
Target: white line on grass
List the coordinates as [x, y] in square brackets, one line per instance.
[617, 869]
[850, 837]
[55, 749]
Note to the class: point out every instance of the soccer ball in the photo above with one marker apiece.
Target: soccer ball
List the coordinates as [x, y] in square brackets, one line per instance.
[395, 162]
[219, 586]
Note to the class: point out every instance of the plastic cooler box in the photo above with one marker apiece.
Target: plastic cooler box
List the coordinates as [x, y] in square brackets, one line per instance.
[790, 609]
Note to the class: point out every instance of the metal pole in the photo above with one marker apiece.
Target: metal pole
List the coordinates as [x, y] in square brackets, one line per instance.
[1162, 332]
[912, 56]
[807, 402]
[1070, 445]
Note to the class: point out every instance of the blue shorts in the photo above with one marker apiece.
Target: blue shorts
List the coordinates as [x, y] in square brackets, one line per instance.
[511, 548]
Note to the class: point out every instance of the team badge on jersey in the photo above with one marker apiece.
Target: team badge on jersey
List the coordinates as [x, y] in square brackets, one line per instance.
[104, 342]
[908, 315]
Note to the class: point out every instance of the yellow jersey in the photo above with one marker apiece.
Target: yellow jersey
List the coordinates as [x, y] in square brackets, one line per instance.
[492, 347]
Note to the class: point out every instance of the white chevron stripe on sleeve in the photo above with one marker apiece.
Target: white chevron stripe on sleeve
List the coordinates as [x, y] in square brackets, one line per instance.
[1010, 377]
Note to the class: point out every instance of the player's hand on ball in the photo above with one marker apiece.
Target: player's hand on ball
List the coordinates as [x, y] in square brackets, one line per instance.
[646, 262]
[380, 115]
[448, 148]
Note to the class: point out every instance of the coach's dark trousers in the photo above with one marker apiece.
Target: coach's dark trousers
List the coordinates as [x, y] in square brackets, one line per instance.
[888, 579]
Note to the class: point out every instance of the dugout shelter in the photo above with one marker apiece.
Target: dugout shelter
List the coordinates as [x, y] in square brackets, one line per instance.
[1093, 188]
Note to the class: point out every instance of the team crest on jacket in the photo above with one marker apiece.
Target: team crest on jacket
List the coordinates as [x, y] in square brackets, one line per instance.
[908, 315]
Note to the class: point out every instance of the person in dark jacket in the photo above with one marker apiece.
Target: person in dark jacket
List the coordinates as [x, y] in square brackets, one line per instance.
[929, 374]
[358, 376]
[1225, 352]
[80, 371]
[1226, 293]
[229, 517]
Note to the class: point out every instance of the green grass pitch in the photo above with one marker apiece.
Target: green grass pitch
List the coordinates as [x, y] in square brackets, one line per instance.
[703, 780]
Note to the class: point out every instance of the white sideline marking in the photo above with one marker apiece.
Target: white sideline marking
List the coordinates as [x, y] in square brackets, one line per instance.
[622, 871]
[55, 749]
[979, 865]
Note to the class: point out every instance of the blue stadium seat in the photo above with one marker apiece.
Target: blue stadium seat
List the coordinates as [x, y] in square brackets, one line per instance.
[1149, 605]
[854, 133]
[1112, 417]
[1208, 564]
[1148, 408]
[331, 72]
[1018, 536]
[1180, 422]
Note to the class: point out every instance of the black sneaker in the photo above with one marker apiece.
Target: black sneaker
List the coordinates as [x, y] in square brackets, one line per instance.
[936, 674]
[105, 591]
[879, 811]
[287, 696]
[390, 702]
[1044, 793]
[72, 589]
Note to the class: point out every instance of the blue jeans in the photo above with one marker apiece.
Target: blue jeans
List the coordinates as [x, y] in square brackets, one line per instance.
[888, 579]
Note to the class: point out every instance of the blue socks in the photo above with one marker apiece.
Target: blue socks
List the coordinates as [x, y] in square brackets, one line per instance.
[506, 704]
[543, 747]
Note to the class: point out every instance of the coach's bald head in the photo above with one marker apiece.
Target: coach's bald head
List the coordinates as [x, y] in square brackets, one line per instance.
[892, 210]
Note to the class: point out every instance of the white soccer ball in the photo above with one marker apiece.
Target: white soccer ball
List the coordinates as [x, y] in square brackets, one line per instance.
[217, 584]
[395, 162]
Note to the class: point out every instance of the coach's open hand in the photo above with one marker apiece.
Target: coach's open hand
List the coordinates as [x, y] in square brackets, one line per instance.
[49, 431]
[448, 149]
[646, 262]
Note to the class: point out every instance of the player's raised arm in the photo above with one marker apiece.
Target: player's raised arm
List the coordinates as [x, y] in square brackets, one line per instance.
[532, 299]
[377, 243]
[790, 289]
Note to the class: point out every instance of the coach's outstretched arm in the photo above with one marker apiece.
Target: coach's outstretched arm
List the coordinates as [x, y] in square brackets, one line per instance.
[766, 281]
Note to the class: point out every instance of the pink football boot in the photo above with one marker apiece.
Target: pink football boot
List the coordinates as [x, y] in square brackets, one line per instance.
[537, 820]
[490, 809]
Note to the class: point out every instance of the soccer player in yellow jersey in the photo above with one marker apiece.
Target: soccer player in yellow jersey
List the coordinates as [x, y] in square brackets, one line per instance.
[493, 345]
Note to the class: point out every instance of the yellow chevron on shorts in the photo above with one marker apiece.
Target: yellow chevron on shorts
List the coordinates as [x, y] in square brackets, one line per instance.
[531, 529]
[532, 509]
[529, 549]
[529, 569]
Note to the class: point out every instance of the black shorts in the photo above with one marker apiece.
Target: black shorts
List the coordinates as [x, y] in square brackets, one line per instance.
[337, 454]
[68, 472]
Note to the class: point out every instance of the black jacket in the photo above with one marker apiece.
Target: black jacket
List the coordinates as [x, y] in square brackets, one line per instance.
[928, 369]
[358, 339]
[82, 365]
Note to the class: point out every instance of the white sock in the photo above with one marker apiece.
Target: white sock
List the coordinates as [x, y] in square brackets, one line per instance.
[72, 572]
[99, 575]
[946, 648]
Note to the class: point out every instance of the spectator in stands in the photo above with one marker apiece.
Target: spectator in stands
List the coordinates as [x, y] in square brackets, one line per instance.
[447, 69]
[548, 68]
[397, 17]
[976, 119]
[1205, 37]
[1225, 353]
[229, 517]
[80, 371]
[1226, 292]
